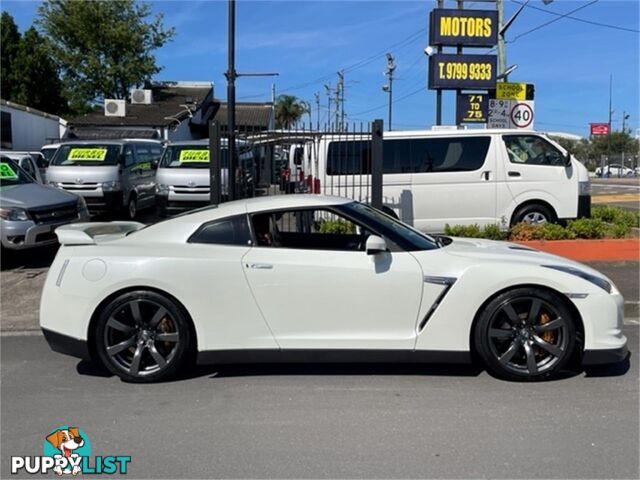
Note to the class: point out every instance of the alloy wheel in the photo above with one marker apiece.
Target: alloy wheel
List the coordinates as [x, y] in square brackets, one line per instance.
[528, 336]
[535, 218]
[141, 337]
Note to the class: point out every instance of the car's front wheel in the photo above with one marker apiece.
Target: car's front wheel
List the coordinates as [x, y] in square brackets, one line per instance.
[526, 334]
[142, 336]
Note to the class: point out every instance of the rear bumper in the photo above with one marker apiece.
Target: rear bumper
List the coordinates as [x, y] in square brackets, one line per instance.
[600, 357]
[67, 345]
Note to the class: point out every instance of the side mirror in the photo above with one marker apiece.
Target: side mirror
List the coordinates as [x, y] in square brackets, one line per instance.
[567, 159]
[375, 245]
[154, 163]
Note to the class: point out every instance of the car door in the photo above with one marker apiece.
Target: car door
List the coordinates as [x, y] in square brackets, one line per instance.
[318, 289]
[536, 170]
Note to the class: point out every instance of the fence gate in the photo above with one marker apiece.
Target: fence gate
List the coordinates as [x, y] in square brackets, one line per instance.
[344, 161]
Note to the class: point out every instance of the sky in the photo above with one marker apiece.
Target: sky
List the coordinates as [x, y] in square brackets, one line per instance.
[569, 60]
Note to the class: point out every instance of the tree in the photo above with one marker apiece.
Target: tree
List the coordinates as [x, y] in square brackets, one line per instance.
[288, 111]
[103, 48]
[35, 77]
[9, 41]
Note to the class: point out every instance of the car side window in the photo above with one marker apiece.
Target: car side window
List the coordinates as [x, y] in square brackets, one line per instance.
[310, 229]
[27, 166]
[128, 156]
[226, 231]
[532, 150]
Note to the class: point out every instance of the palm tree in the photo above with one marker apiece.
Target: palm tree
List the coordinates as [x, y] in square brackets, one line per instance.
[288, 110]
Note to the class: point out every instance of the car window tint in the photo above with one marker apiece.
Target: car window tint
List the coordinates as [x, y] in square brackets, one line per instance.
[310, 229]
[456, 154]
[532, 150]
[227, 231]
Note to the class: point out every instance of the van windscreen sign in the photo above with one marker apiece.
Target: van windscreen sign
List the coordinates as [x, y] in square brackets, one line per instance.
[87, 154]
[456, 71]
[471, 28]
[193, 156]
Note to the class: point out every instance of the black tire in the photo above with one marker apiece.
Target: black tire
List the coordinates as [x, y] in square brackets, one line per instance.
[514, 346]
[534, 213]
[132, 207]
[138, 329]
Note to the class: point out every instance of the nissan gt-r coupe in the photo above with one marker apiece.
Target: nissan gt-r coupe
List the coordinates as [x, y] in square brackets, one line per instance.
[317, 278]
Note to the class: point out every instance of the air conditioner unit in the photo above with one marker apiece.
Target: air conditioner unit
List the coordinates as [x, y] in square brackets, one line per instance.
[114, 108]
[141, 96]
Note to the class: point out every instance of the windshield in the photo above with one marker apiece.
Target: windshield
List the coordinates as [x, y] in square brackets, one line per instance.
[197, 156]
[95, 155]
[405, 236]
[12, 174]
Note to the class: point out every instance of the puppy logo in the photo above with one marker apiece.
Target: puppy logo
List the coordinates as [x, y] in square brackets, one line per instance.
[67, 445]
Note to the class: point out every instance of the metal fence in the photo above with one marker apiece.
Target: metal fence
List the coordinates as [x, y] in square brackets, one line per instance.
[344, 161]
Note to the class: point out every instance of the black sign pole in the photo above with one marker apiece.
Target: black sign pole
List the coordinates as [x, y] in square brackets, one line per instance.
[231, 102]
[215, 166]
[440, 4]
[459, 51]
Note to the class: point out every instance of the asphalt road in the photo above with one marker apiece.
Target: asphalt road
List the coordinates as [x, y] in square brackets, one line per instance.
[302, 421]
[621, 192]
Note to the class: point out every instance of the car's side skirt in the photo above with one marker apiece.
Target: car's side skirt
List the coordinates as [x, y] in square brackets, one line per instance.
[331, 356]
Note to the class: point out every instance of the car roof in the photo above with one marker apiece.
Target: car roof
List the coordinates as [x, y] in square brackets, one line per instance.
[109, 142]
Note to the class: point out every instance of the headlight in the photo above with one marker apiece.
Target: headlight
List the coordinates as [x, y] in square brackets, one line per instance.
[599, 281]
[584, 188]
[110, 186]
[56, 184]
[14, 214]
[162, 189]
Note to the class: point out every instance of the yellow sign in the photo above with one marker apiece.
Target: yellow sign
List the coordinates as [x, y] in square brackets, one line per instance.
[88, 154]
[456, 27]
[187, 156]
[511, 91]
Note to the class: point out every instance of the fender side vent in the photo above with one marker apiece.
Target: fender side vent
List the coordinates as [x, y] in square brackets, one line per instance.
[448, 282]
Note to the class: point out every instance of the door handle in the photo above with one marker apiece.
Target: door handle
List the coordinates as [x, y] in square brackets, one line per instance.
[486, 175]
[260, 266]
[514, 174]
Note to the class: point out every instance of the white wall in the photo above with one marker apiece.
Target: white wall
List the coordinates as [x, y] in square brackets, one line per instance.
[30, 131]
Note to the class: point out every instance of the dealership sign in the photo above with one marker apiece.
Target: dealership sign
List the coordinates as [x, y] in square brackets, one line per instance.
[599, 128]
[472, 108]
[458, 71]
[472, 28]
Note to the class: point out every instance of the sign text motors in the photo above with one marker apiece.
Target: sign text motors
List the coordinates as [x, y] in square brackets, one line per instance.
[472, 28]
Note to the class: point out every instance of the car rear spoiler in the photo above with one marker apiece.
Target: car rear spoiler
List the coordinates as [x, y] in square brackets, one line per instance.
[92, 233]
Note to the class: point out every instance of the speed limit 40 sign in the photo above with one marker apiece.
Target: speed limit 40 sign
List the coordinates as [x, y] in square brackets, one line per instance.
[516, 114]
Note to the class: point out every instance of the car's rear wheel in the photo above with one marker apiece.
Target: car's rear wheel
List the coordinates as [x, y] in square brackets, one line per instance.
[132, 207]
[535, 214]
[142, 336]
[526, 334]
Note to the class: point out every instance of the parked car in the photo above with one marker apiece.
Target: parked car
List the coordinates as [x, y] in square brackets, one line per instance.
[459, 177]
[111, 175]
[30, 212]
[183, 177]
[232, 284]
[48, 151]
[30, 162]
[614, 170]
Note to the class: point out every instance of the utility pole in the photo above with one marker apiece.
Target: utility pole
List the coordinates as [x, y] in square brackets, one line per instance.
[337, 102]
[391, 66]
[317, 96]
[625, 117]
[327, 88]
[273, 93]
[340, 96]
[502, 53]
[610, 115]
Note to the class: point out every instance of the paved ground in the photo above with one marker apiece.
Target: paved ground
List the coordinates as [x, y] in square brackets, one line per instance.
[328, 421]
[621, 192]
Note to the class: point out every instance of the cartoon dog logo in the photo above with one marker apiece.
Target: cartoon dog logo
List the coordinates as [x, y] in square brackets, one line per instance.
[66, 441]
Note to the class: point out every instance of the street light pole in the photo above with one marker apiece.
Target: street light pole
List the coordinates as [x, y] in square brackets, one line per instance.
[391, 66]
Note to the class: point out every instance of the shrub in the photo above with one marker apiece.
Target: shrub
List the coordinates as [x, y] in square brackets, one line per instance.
[469, 231]
[587, 228]
[619, 230]
[553, 231]
[493, 232]
[616, 215]
[337, 227]
[522, 232]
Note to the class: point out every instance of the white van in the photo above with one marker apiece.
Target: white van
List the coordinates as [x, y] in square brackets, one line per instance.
[459, 177]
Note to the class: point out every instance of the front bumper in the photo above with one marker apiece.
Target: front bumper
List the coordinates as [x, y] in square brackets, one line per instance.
[67, 345]
[107, 202]
[19, 235]
[584, 206]
[175, 206]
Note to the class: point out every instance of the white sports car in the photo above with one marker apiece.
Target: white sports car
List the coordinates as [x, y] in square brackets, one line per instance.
[316, 278]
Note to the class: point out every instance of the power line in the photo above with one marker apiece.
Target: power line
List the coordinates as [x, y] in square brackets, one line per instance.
[421, 89]
[560, 17]
[590, 22]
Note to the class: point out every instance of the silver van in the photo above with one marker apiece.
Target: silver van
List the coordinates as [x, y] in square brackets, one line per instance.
[182, 178]
[111, 175]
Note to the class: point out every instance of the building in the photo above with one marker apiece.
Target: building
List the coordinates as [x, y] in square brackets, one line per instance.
[27, 129]
[171, 111]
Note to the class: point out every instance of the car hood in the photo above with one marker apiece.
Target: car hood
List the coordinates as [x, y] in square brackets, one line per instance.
[482, 250]
[33, 195]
